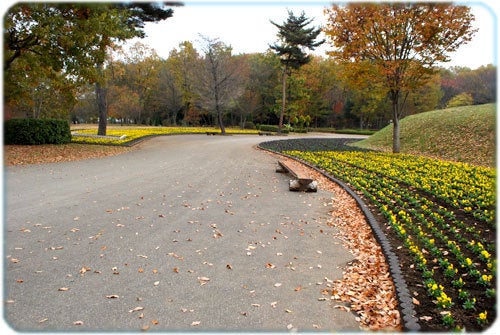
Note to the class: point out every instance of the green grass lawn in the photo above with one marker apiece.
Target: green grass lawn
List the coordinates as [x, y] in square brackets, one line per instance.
[463, 134]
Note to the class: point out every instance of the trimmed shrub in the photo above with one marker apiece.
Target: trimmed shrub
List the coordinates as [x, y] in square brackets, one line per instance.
[268, 127]
[356, 131]
[36, 131]
[273, 128]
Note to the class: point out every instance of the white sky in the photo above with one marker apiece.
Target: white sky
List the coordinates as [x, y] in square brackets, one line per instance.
[245, 25]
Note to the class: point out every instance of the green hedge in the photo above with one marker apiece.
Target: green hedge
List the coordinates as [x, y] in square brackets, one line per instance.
[272, 128]
[36, 131]
[356, 131]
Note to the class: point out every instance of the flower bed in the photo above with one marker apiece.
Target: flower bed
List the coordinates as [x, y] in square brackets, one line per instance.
[132, 134]
[442, 217]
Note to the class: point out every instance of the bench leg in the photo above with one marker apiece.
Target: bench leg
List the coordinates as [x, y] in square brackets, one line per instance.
[280, 169]
[296, 185]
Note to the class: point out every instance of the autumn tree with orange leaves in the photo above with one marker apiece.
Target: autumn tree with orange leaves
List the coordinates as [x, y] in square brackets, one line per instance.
[401, 43]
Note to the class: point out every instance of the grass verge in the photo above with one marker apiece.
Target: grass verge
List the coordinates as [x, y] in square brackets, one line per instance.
[462, 134]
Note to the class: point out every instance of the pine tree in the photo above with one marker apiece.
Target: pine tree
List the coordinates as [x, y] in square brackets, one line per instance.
[294, 40]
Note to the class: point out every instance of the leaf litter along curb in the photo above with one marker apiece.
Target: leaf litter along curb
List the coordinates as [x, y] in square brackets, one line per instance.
[52, 153]
[367, 285]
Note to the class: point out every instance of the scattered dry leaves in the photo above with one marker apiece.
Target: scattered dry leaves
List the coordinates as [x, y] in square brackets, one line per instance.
[367, 285]
[136, 309]
[51, 153]
[203, 280]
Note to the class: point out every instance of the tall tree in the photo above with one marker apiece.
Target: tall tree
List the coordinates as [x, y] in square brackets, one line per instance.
[294, 39]
[133, 17]
[183, 63]
[74, 37]
[262, 79]
[401, 41]
[219, 78]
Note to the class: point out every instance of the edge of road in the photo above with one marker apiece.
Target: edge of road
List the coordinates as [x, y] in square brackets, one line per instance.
[408, 314]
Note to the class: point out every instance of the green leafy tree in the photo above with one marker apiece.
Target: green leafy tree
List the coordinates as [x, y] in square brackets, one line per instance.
[463, 99]
[401, 41]
[74, 38]
[183, 62]
[294, 39]
[129, 22]
[262, 79]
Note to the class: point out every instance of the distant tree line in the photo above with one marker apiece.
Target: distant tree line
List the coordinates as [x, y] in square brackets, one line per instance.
[145, 89]
[206, 86]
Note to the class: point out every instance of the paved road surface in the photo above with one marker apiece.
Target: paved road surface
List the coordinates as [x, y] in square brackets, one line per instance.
[187, 233]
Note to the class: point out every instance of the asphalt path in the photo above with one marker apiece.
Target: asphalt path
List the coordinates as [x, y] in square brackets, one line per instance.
[187, 233]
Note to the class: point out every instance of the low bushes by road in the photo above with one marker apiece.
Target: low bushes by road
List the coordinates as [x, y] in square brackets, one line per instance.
[36, 131]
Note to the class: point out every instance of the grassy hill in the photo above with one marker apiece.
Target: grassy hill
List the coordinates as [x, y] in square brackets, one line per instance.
[462, 134]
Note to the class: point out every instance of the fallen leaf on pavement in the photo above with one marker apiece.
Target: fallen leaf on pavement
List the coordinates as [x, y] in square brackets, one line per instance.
[84, 269]
[203, 280]
[136, 309]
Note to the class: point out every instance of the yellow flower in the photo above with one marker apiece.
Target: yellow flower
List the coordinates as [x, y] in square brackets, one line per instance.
[485, 254]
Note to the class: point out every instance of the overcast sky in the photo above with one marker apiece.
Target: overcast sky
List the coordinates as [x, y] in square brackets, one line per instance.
[245, 25]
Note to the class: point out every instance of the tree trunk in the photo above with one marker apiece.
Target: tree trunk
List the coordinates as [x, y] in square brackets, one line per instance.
[220, 121]
[102, 108]
[395, 124]
[219, 113]
[283, 102]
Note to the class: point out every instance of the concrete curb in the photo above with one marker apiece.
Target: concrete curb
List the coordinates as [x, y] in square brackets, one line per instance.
[408, 314]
